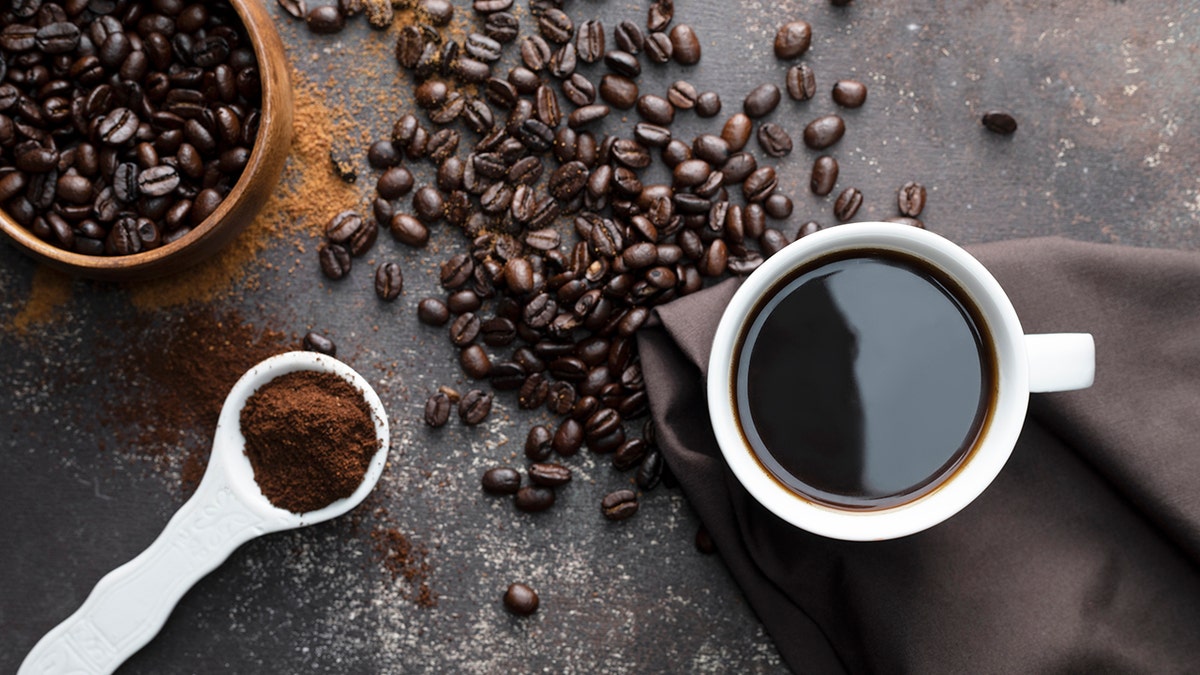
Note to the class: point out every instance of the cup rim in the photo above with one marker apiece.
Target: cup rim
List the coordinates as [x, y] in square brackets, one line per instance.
[1000, 430]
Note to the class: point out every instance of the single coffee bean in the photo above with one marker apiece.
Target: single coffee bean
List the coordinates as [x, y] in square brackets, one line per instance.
[759, 185]
[394, 183]
[519, 598]
[532, 499]
[158, 181]
[501, 25]
[335, 260]
[658, 47]
[475, 362]
[579, 90]
[660, 14]
[343, 227]
[772, 241]
[619, 91]
[849, 93]
[474, 407]
[824, 132]
[432, 312]
[296, 8]
[389, 281]
[326, 19]
[619, 505]
[629, 37]
[824, 175]
[623, 63]
[685, 45]
[547, 474]
[708, 104]
[656, 109]
[801, 82]
[589, 41]
[537, 443]
[535, 52]
[999, 122]
[437, 410]
[556, 26]
[761, 100]
[808, 228]
[911, 199]
[501, 480]
[315, 342]
[650, 471]
[847, 204]
[737, 130]
[629, 454]
[774, 140]
[568, 438]
[793, 39]
[738, 167]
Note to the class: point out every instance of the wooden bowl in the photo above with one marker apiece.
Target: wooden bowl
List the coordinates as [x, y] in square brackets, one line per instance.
[258, 180]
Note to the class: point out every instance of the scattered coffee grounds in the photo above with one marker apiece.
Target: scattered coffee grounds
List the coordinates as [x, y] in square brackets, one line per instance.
[310, 439]
[404, 561]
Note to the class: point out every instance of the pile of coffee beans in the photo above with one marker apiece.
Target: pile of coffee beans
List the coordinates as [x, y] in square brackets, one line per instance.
[123, 124]
[570, 247]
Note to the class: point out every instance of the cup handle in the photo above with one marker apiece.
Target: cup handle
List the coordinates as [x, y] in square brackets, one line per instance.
[1060, 361]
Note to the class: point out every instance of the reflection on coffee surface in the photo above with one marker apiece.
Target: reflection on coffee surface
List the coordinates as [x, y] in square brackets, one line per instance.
[863, 380]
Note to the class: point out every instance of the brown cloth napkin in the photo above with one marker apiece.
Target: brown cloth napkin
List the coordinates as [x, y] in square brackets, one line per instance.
[1083, 556]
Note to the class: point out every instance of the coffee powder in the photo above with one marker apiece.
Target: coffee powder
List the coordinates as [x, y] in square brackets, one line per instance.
[310, 439]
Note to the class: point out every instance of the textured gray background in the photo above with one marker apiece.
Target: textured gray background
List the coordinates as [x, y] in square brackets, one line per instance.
[1105, 92]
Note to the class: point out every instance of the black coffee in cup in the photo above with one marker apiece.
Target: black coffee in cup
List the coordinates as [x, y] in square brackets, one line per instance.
[863, 379]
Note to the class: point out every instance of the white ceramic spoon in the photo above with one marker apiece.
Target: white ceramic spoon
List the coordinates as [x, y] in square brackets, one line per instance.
[130, 604]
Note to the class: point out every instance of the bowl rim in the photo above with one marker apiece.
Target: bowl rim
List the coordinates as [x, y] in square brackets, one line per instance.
[275, 81]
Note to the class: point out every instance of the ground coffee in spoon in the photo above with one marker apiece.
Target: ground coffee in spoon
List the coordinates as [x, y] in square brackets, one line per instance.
[310, 438]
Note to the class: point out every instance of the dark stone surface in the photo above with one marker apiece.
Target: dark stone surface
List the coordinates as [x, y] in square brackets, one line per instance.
[1104, 92]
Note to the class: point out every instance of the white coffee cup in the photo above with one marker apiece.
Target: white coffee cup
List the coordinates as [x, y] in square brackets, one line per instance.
[1024, 364]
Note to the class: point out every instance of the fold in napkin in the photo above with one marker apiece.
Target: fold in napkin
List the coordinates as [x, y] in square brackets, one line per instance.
[1083, 555]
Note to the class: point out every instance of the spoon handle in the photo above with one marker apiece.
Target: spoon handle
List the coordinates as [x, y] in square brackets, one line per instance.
[130, 604]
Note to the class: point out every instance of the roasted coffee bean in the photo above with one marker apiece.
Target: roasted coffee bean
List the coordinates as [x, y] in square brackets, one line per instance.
[759, 185]
[535, 53]
[685, 45]
[738, 167]
[326, 19]
[999, 122]
[690, 173]
[465, 329]
[567, 181]
[619, 91]
[629, 37]
[561, 398]
[546, 106]
[158, 181]
[847, 204]
[315, 342]
[428, 204]
[849, 93]
[475, 406]
[629, 454]
[911, 199]
[432, 312]
[568, 439]
[501, 480]
[824, 175]
[548, 474]
[736, 131]
[650, 471]
[793, 39]
[601, 423]
[457, 271]
[589, 41]
[708, 104]
[656, 109]
[824, 132]
[389, 281]
[501, 26]
[682, 95]
[714, 260]
[623, 63]
[437, 410]
[579, 90]
[342, 227]
[483, 48]
[761, 100]
[808, 228]
[619, 505]
[519, 598]
[630, 153]
[440, 12]
[507, 376]
[530, 499]
[587, 114]
[394, 183]
[335, 260]
[659, 48]
[778, 206]
[537, 443]
[774, 140]
[659, 16]
[772, 241]
[801, 82]
[556, 26]
[429, 94]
